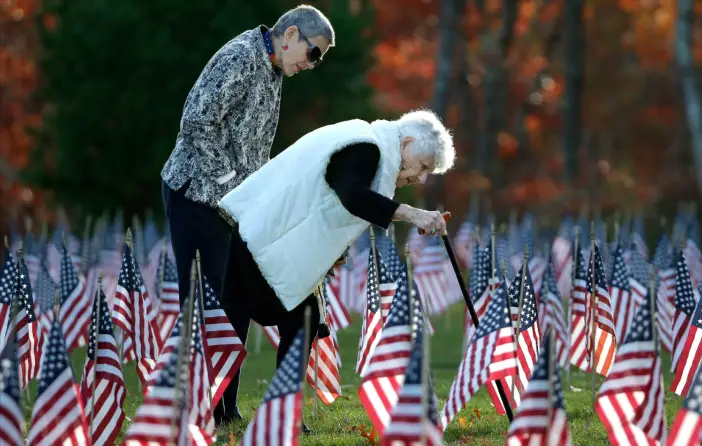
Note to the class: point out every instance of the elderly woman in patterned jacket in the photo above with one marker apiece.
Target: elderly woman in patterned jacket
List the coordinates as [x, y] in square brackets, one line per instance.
[297, 214]
[228, 124]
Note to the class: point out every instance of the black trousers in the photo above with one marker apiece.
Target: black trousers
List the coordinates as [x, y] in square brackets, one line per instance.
[231, 270]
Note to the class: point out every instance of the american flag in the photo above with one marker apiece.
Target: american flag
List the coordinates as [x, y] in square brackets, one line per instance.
[486, 282]
[166, 407]
[640, 277]
[45, 298]
[563, 260]
[490, 355]
[339, 313]
[133, 314]
[103, 372]
[272, 334]
[197, 402]
[691, 351]
[372, 322]
[463, 244]
[687, 425]
[529, 340]
[328, 382]
[578, 310]
[168, 295]
[225, 351]
[630, 402]
[554, 316]
[343, 286]
[11, 416]
[685, 301]
[75, 305]
[29, 339]
[8, 281]
[531, 425]
[278, 419]
[408, 425]
[430, 276]
[385, 372]
[386, 286]
[605, 341]
[58, 416]
[665, 272]
[623, 304]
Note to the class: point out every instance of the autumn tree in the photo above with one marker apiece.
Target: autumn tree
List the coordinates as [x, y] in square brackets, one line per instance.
[117, 73]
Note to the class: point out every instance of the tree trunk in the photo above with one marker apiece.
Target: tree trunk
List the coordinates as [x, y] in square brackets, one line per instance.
[448, 18]
[572, 107]
[691, 94]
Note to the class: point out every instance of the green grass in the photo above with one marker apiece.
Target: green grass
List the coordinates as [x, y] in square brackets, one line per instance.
[333, 425]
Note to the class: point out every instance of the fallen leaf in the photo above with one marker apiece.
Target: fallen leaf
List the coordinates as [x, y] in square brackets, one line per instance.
[462, 422]
[232, 440]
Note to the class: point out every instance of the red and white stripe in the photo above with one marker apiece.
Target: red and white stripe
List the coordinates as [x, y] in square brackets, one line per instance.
[328, 382]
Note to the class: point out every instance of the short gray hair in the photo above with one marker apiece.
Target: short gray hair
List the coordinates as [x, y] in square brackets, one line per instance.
[430, 136]
[309, 20]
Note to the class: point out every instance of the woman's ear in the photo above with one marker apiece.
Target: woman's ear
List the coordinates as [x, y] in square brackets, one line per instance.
[290, 33]
[406, 141]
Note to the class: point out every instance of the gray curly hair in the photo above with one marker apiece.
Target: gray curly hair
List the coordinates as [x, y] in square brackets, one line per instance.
[431, 138]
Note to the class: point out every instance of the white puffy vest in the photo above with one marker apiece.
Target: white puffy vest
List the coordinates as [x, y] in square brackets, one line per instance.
[292, 221]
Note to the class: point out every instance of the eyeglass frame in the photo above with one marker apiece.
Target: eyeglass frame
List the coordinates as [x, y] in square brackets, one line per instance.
[311, 48]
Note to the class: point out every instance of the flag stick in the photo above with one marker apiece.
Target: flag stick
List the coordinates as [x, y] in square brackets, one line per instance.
[593, 310]
[97, 342]
[551, 392]
[201, 307]
[315, 396]
[425, 388]
[308, 317]
[414, 318]
[471, 309]
[519, 317]
[573, 267]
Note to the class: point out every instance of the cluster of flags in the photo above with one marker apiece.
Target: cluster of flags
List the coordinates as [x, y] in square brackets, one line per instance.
[607, 307]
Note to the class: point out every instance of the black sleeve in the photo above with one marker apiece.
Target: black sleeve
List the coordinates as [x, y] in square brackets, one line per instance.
[350, 173]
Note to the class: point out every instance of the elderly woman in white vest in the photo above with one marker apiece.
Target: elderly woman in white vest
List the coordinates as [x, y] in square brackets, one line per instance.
[297, 214]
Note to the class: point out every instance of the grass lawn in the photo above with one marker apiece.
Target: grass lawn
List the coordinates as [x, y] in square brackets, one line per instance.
[338, 424]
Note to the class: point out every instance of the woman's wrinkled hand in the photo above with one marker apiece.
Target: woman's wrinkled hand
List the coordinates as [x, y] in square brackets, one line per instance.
[432, 222]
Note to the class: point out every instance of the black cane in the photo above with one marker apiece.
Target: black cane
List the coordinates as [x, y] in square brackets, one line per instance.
[471, 310]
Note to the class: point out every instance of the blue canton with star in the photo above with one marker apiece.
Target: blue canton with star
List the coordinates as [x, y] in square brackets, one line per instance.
[288, 377]
[105, 324]
[600, 280]
[620, 272]
[45, 290]
[8, 280]
[541, 372]
[414, 376]
[663, 258]
[475, 271]
[372, 290]
[497, 315]
[210, 302]
[25, 297]
[399, 310]
[54, 360]
[9, 371]
[641, 329]
[529, 313]
[640, 269]
[684, 296]
[580, 269]
[549, 280]
[69, 277]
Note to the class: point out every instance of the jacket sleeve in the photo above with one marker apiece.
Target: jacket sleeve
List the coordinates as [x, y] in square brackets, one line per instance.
[222, 84]
[350, 173]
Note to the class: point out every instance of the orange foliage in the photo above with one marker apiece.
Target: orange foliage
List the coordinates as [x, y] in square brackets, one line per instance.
[18, 81]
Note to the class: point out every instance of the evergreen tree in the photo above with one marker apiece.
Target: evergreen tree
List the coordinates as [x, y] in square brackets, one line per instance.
[116, 75]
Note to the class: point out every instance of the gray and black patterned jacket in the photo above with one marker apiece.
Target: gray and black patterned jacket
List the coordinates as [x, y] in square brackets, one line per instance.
[229, 121]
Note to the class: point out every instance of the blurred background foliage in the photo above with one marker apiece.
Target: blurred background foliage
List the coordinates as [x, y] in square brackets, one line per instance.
[554, 105]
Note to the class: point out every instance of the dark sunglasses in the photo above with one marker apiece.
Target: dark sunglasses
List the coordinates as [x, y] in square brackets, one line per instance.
[314, 54]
